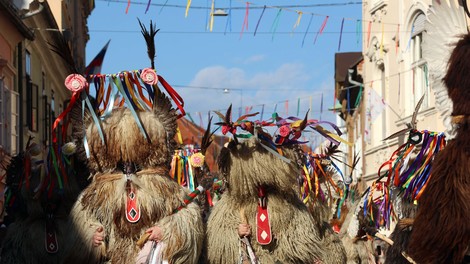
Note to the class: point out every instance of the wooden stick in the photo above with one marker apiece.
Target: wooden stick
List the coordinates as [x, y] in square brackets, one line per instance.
[140, 243]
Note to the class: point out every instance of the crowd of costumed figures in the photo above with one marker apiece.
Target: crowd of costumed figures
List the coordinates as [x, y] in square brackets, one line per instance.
[122, 189]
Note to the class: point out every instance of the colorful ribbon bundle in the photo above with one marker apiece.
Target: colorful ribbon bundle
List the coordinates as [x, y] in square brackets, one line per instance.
[407, 175]
[135, 89]
[288, 132]
[319, 169]
[182, 167]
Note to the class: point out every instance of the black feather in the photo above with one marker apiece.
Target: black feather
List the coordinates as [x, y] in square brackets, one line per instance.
[149, 36]
[62, 49]
[207, 138]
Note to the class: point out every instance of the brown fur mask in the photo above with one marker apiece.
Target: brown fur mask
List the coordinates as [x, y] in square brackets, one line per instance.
[441, 230]
[124, 142]
[248, 165]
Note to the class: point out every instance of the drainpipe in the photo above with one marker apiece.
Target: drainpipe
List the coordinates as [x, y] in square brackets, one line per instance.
[350, 79]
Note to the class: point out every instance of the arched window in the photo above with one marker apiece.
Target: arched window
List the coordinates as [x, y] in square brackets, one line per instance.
[419, 72]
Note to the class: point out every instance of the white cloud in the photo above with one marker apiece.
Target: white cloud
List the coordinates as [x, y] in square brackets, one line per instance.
[255, 58]
[289, 81]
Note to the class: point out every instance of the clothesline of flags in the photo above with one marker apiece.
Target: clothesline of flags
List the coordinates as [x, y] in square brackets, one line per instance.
[318, 31]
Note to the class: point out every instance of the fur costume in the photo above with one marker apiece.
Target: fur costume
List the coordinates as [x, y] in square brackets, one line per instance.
[441, 230]
[296, 238]
[322, 211]
[30, 209]
[358, 247]
[129, 160]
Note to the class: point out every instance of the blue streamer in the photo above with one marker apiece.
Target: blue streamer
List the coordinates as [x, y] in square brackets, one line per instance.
[133, 111]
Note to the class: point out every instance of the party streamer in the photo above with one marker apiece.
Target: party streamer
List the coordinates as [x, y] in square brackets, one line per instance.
[164, 4]
[397, 38]
[297, 23]
[211, 23]
[148, 6]
[128, 5]
[322, 27]
[358, 31]
[229, 19]
[245, 21]
[187, 8]
[306, 31]
[275, 24]
[259, 20]
[341, 35]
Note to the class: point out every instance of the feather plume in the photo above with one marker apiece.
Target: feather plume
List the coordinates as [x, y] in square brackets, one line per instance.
[207, 138]
[149, 36]
[62, 49]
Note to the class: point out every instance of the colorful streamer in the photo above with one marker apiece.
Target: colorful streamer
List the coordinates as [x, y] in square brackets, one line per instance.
[275, 24]
[188, 4]
[245, 20]
[322, 27]
[259, 20]
[306, 31]
[148, 6]
[369, 27]
[341, 36]
[297, 23]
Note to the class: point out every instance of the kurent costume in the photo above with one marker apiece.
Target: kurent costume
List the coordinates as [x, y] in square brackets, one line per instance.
[40, 192]
[129, 152]
[262, 177]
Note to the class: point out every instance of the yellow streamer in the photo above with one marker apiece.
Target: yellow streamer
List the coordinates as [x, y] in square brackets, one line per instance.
[211, 24]
[187, 8]
[180, 138]
[308, 178]
[180, 170]
[297, 23]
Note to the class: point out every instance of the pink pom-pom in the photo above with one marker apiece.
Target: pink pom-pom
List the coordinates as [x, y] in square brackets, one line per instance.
[75, 82]
[284, 131]
[149, 76]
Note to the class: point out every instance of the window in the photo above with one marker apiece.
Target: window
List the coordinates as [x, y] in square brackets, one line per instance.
[419, 73]
[9, 121]
[28, 64]
[32, 97]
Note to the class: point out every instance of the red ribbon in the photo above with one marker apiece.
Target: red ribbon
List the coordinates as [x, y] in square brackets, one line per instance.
[74, 98]
[174, 95]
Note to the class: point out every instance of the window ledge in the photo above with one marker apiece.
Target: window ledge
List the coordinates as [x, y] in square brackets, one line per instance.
[378, 5]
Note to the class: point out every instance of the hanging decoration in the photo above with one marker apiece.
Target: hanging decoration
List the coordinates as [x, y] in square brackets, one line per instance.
[136, 89]
[259, 20]
[297, 22]
[322, 27]
[306, 31]
[275, 23]
[406, 175]
[340, 34]
[245, 20]
[188, 4]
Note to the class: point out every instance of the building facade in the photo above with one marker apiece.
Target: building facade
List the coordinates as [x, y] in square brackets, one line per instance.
[33, 92]
[395, 78]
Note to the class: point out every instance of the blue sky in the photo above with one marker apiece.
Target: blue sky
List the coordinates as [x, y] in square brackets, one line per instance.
[267, 69]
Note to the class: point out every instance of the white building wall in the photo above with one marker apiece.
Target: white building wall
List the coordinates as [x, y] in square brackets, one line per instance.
[391, 70]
